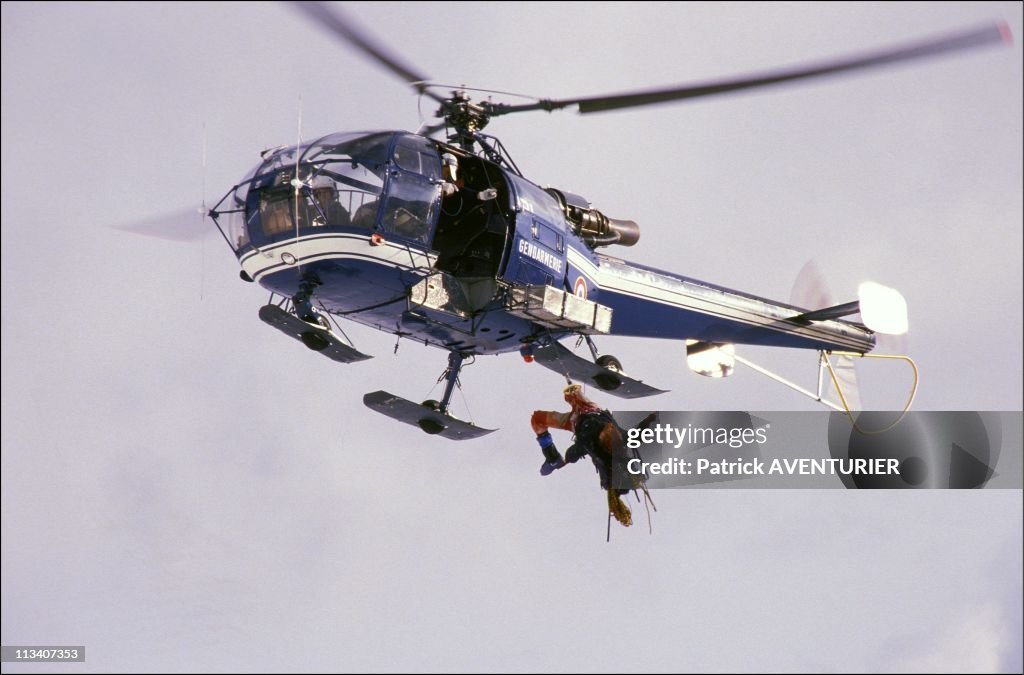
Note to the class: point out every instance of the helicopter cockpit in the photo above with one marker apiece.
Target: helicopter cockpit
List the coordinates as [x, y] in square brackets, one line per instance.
[386, 182]
[382, 181]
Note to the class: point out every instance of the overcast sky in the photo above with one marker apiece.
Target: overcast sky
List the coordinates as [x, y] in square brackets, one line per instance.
[185, 489]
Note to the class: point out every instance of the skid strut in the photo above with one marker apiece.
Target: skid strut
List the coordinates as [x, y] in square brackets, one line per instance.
[451, 379]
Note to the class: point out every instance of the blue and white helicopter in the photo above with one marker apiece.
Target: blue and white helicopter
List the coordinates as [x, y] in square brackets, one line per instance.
[478, 259]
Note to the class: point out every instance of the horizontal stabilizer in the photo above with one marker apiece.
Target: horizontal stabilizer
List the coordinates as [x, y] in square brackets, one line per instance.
[316, 338]
[561, 360]
[836, 312]
[426, 418]
[882, 309]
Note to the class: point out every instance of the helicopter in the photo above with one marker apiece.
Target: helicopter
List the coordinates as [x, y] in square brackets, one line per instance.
[445, 242]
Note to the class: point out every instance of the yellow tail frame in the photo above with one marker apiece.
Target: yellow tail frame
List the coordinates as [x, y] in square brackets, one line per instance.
[824, 363]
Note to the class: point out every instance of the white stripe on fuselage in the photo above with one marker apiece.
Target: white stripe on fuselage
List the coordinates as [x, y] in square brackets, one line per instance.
[692, 296]
[310, 248]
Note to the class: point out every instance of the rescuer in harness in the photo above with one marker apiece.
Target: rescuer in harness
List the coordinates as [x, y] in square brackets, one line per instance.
[596, 434]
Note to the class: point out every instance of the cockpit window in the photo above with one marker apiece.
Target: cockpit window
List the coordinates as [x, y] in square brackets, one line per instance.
[229, 215]
[276, 212]
[411, 208]
[370, 149]
[340, 181]
[347, 177]
[413, 193]
[276, 159]
[418, 155]
[337, 182]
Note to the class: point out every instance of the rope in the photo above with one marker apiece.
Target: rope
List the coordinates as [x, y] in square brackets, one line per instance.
[648, 500]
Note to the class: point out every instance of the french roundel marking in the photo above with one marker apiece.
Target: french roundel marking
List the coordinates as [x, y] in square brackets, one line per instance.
[580, 288]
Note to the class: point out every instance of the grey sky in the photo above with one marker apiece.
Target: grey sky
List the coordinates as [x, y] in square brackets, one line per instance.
[185, 489]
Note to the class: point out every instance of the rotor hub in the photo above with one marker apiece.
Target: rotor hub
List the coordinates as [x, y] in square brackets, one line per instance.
[463, 115]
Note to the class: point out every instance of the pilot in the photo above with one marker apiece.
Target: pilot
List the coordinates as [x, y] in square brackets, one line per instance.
[326, 195]
[596, 434]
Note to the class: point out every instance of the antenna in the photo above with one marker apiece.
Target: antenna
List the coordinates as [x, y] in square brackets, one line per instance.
[202, 217]
[297, 184]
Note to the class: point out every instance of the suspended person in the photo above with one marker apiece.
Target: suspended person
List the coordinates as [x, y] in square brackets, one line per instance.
[597, 434]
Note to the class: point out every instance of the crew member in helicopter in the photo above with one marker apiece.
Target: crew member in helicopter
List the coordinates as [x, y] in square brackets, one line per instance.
[331, 211]
[456, 198]
[596, 433]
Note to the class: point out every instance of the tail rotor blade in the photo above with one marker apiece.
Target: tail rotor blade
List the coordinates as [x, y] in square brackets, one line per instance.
[810, 290]
[846, 377]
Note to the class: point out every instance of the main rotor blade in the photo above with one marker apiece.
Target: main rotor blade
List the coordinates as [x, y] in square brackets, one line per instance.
[355, 36]
[431, 129]
[977, 37]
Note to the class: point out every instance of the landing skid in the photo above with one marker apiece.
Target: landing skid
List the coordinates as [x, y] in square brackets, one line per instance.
[316, 338]
[564, 362]
[432, 416]
[426, 418]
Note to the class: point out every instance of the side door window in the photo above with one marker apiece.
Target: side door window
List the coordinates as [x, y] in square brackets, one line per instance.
[413, 194]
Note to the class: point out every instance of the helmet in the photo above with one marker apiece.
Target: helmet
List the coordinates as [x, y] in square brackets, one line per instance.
[448, 161]
[575, 397]
[322, 182]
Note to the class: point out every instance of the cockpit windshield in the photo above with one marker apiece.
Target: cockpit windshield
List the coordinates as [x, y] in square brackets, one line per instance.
[346, 177]
[338, 181]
